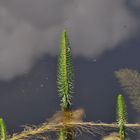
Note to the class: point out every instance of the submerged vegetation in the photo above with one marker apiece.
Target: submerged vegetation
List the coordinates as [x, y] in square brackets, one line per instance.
[68, 123]
[130, 82]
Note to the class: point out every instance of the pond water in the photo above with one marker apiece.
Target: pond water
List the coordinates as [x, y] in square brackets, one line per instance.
[32, 98]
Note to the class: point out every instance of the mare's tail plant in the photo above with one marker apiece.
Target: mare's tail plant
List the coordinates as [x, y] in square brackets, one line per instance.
[65, 79]
[121, 116]
[3, 130]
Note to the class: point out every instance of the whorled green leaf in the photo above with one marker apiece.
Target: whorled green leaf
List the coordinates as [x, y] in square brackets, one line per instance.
[121, 116]
[65, 76]
[3, 130]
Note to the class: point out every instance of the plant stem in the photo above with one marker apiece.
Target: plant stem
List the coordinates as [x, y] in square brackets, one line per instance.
[121, 116]
[3, 130]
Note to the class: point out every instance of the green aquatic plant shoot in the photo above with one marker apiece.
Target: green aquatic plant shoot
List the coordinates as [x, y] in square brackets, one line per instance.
[65, 80]
[3, 130]
[65, 75]
[62, 135]
[121, 116]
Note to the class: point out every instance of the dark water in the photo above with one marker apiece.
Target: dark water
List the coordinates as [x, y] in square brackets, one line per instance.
[32, 98]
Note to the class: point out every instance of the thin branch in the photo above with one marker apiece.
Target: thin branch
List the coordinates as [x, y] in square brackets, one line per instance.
[87, 127]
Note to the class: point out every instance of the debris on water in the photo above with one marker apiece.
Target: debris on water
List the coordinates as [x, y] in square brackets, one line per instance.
[22, 90]
[74, 116]
[46, 78]
[42, 85]
[94, 60]
[112, 136]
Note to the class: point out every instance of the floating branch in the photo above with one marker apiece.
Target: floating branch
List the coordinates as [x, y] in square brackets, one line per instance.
[87, 127]
[55, 124]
